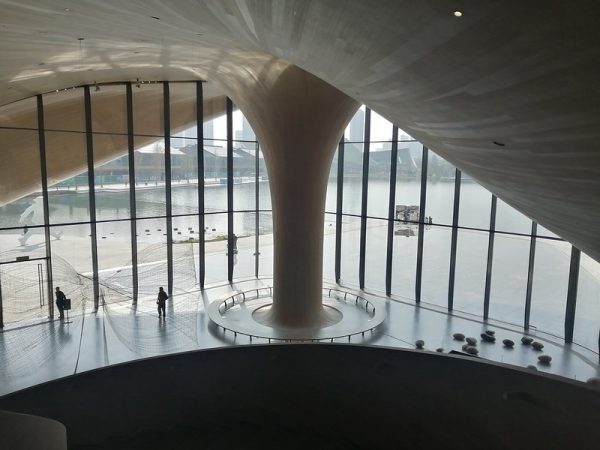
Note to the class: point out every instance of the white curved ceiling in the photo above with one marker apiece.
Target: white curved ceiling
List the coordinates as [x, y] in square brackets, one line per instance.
[524, 74]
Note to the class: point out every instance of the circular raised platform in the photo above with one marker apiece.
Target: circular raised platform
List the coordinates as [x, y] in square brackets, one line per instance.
[246, 313]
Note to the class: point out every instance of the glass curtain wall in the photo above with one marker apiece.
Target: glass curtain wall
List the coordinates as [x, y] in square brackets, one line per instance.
[490, 259]
[153, 192]
[127, 196]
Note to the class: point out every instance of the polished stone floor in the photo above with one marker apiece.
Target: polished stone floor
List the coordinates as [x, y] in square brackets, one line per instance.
[119, 332]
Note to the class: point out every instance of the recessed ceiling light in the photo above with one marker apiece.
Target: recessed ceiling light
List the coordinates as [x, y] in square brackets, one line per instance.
[457, 14]
[67, 9]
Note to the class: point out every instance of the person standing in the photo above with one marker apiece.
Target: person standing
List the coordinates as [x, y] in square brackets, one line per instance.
[161, 301]
[61, 299]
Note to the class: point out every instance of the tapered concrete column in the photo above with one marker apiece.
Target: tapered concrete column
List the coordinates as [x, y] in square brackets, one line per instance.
[298, 120]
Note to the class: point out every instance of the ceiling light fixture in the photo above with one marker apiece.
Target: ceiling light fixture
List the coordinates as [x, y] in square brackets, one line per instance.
[457, 14]
[80, 39]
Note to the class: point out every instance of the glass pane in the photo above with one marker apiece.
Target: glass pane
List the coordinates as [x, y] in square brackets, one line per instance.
[550, 283]
[109, 110]
[440, 190]
[379, 180]
[215, 176]
[404, 137]
[471, 266]
[185, 253]
[350, 250]
[215, 192]
[21, 179]
[436, 265]
[66, 161]
[185, 229]
[215, 121]
[331, 199]
[264, 199]
[376, 254]
[152, 256]
[150, 194]
[65, 110]
[509, 219]
[244, 226]
[73, 244]
[72, 265]
[114, 256]
[216, 248]
[24, 292]
[381, 129]
[184, 177]
[242, 131]
[587, 313]
[408, 173]
[543, 231]
[265, 227]
[22, 243]
[219, 129]
[148, 110]
[475, 204]
[111, 177]
[329, 248]
[355, 131]
[509, 278]
[244, 176]
[182, 97]
[404, 260]
[353, 166]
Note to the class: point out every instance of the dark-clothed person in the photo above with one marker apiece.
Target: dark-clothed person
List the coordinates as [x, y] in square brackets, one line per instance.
[60, 302]
[161, 301]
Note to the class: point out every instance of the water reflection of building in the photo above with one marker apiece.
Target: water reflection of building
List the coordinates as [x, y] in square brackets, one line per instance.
[150, 162]
[409, 215]
[408, 163]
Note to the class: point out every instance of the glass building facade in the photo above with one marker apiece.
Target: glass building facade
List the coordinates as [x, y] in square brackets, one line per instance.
[189, 206]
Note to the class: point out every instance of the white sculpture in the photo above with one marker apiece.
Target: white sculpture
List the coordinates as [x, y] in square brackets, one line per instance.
[34, 214]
